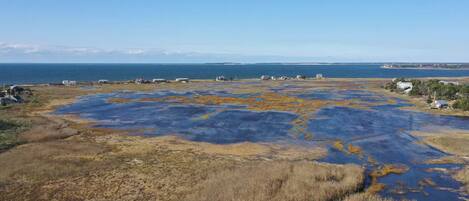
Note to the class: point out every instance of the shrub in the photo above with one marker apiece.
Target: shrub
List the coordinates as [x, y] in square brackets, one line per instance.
[462, 104]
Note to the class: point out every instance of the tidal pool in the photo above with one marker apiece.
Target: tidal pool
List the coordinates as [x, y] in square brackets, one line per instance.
[375, 136]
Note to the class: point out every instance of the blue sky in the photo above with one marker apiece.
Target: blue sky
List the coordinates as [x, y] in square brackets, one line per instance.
[234, 31]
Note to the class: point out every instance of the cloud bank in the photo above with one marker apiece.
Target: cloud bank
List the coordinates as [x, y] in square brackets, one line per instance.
[10, 52]
[27, 53]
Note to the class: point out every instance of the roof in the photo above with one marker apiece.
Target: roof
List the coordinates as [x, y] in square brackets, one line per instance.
[441, 102]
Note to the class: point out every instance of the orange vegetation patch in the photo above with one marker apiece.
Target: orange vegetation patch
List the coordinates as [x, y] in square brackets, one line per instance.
[389, 169]
[375, 188]
[339, 145]
[351, 149]
[383, 171]
[119, 100]
[354, 149]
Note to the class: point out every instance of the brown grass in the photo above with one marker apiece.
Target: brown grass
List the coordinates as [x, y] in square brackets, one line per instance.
[354, 149]
[451, 141]
[463, 177]
[366, 197]
[94, 165]
[282, 181]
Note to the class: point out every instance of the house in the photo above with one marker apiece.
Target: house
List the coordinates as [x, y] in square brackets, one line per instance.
[319, 76]
[220, 78]
[408, 90]
[103, 81]
[439, 104]
[159, 80]
[300, 77]
[265, 77]
[69, 82]
[141, 81]
[404, 85]
[283, 78]
[449, 82]
[182, 80]
[9, 99]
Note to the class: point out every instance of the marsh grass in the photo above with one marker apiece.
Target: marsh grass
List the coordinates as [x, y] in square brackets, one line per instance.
[463, 177]
[366, 197]
[9, 129]
[282, 181]
[381, 172]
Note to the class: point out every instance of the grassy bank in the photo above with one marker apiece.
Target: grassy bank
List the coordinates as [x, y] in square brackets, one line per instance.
[454, 142]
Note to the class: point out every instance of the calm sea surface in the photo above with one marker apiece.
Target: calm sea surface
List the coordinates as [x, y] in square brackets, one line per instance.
[47, 73]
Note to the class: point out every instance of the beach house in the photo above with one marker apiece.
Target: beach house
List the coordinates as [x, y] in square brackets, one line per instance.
[439, 104]
[404, 86]
[182, 80]
[220, 78]
[265, 77]
[69, 82]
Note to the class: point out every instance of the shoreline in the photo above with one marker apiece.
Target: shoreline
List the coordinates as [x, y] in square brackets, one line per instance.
[417, 68]
[128, 82]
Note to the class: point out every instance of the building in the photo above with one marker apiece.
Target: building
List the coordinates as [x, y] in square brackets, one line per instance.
[439, 104]
[449, 82]
[159, 81]
[300, 77]
[182, 80]
[404, 85]
[69, 82]
[265, 77]
[103, 81]
[319, 76]
[220, 78]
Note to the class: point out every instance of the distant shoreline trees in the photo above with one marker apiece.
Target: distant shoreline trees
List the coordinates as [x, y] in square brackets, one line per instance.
[435, 89]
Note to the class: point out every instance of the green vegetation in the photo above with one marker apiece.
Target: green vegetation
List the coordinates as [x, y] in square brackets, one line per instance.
[435, 89]
[8, 133]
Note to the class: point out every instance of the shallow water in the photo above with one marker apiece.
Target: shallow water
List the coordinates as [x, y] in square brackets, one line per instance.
[381, 131]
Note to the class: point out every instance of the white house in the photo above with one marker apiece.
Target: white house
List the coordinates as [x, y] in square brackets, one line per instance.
[449, 82]
[69, 82]
[319, 76]
[183, 80]
[103, 81]
[159, 80]
[300, 77]
[404, 85]
[265, 77]
[220, 78]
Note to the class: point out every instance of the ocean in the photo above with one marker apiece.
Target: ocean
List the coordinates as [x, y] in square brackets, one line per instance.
[53, 73]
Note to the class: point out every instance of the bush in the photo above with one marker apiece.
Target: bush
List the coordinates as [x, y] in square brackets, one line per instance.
[462, 104]
[8, 131]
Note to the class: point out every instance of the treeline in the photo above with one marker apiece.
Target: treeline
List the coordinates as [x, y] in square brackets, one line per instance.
[435, 89]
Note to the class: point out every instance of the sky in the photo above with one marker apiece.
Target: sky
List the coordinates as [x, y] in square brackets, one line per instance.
[197, 31]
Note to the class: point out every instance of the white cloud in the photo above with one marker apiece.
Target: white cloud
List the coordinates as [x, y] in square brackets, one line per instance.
[135, 51]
